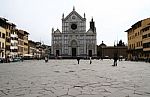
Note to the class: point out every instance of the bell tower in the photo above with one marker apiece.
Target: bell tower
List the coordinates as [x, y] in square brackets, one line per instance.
[92, 25]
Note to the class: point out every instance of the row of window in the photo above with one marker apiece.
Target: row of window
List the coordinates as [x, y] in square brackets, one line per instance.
[7, 47]
[25, 38]
[77, 36]
[137, 25]
[14, 44]
[2, 54]
[57, 38]
[139, 33]
[2, 45]
[71, 35]
[6, 26]
[74, 31]
[2, 35]
[20, 42]
[26, 44]
[67, 24]
[13, 32]
[14, 38]
[7, 39]
[14, 50]
[7, 34]
[25, 49]
[81, 42]
[54, 42]
[145, 29]
[20, 36]
[138, 44]
[146, 35]
[133, 36]
[146, 45]
[20, 49]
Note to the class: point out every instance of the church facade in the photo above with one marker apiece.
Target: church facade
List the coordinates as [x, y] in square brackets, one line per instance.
[74, 41]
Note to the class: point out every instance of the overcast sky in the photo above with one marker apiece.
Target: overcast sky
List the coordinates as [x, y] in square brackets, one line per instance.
[112, 17]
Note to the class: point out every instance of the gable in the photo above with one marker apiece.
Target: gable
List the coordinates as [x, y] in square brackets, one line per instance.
[74, 15]
[57, 31]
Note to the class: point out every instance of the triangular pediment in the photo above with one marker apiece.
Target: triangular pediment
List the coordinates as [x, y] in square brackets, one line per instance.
[57, 31]
[74, 13]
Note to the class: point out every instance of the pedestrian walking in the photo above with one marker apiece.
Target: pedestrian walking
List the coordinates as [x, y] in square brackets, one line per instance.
[78, 59]
[21, 59]
[115, 60]
[46, 59]
[90, 60]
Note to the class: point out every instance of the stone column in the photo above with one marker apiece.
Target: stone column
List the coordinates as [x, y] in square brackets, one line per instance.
[69, 48]
[85, 44]
[78, 49]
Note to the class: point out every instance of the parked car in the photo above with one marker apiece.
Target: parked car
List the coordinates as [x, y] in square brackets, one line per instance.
[17, 59]
[2, 60]
[106, 57]
[120, 58]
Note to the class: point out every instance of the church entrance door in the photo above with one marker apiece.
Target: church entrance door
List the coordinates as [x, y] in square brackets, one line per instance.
[90, 53]
[74, 52]
[74, 48]
[57, 52]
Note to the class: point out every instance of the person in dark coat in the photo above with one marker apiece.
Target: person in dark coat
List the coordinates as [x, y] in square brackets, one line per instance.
[115, 60]
[46, 59]
[21, 59]
[78, 59]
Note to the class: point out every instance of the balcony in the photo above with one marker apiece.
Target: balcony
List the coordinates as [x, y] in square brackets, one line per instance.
[7, 39]
[13, 47]
[14, 41]
[14, 35]
[146, 49]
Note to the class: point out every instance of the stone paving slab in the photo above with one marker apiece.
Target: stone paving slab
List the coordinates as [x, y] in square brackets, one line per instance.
[66, 78]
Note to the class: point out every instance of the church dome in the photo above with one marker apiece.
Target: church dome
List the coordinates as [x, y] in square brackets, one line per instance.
[102, 44]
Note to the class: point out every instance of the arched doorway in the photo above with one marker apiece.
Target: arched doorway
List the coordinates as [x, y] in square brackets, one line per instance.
[74, 52]
[90, 47]
[90, 53]
[57, 53]
[57, 50]
[74, 48]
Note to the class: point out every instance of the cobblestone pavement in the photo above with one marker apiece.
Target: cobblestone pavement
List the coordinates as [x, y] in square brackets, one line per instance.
[66, 78]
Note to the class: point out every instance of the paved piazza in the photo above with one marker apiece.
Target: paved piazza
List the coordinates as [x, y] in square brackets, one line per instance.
[66, 78]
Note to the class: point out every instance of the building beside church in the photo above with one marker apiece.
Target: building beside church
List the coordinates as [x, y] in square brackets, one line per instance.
[74, 40]
[5, 37]
[139, 40]
[104, 51]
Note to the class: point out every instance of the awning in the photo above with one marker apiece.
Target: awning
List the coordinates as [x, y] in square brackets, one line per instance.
[27, 55]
